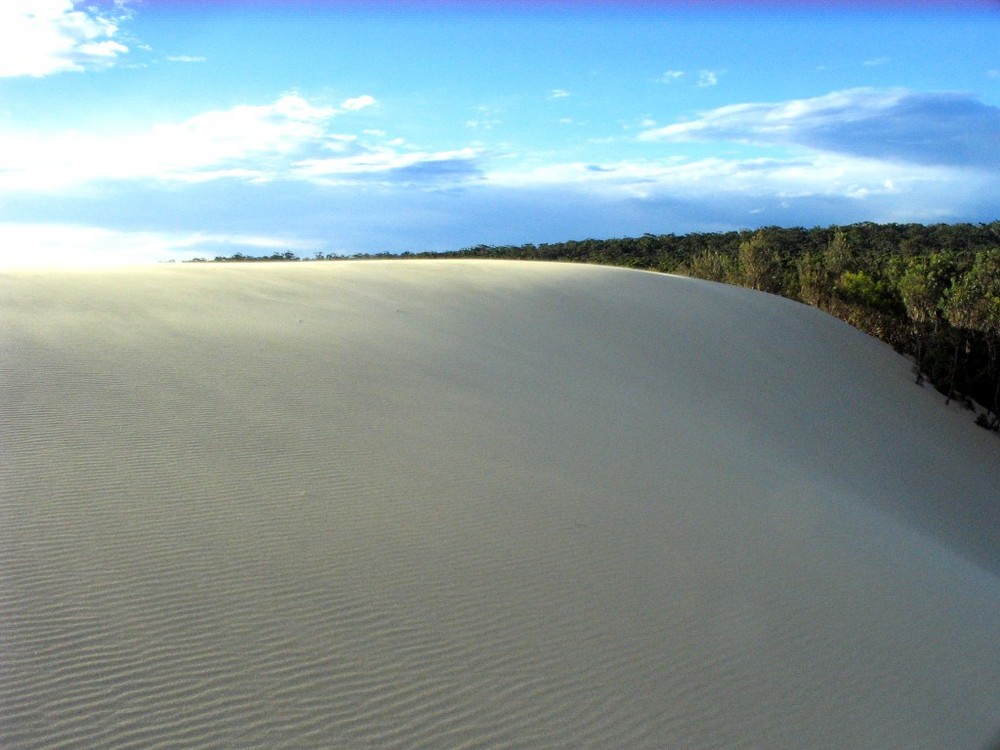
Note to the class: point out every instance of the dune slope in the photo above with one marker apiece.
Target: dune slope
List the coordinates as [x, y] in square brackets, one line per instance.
[429, 504]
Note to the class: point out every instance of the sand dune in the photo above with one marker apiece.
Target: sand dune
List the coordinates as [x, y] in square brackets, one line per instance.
[470, 504]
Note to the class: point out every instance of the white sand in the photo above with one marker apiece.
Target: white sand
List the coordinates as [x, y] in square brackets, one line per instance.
[463, 504]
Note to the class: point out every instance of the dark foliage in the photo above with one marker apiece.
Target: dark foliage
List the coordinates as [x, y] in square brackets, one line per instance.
[241, 258]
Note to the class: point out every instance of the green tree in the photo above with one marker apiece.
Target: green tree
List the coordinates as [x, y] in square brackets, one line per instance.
[838, 254]
[814, 287]
[972, 306]
[712, 265]
[922, 282]
[757, 264]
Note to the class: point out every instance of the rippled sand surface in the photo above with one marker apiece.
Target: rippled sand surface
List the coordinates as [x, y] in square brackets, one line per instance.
[472, 504]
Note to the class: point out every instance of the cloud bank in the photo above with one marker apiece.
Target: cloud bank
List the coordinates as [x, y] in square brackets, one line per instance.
[290, 139]
[896, 125]
[298, 175]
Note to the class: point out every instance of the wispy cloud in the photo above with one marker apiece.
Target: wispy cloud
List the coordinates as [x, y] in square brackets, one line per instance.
[708, 78]
[590, 199]
[816, 175]
[705, 77]
[358, 102]
[487, 117]
[558, 94]
[43, 37]
[248, 142]
[186, 59]
[894, 125]
[288, 140]
[876, 62]
[391, 166]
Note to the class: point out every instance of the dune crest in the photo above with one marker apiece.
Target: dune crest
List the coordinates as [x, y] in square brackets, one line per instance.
[479, 504]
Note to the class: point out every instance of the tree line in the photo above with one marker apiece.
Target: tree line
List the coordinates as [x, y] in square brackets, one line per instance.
[931, 291]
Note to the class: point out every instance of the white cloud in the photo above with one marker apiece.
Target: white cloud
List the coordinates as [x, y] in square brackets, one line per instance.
[849, 156]
[670, 76]
[340, 142]
[106, 50]
[716, 180]
[715, 194]
[391, 166]
[876, 62]
[482, 124]
[42, 37]
[358, 102]
[487, 117]
[708, 78]
[70, 245]
[186, 59]
[249, 142]
[891, 125]
[830, 173]
[993, 73]
[558, 94]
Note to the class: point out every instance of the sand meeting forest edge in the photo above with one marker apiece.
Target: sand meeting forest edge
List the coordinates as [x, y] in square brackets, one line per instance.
[930, 291]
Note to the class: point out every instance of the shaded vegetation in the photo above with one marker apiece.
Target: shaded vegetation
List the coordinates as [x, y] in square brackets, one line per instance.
[241, 258]
[931, 291]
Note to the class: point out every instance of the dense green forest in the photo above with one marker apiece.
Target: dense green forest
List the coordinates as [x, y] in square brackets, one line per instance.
[931, 291]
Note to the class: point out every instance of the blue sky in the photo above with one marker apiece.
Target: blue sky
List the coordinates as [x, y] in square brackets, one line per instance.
[155, 130]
